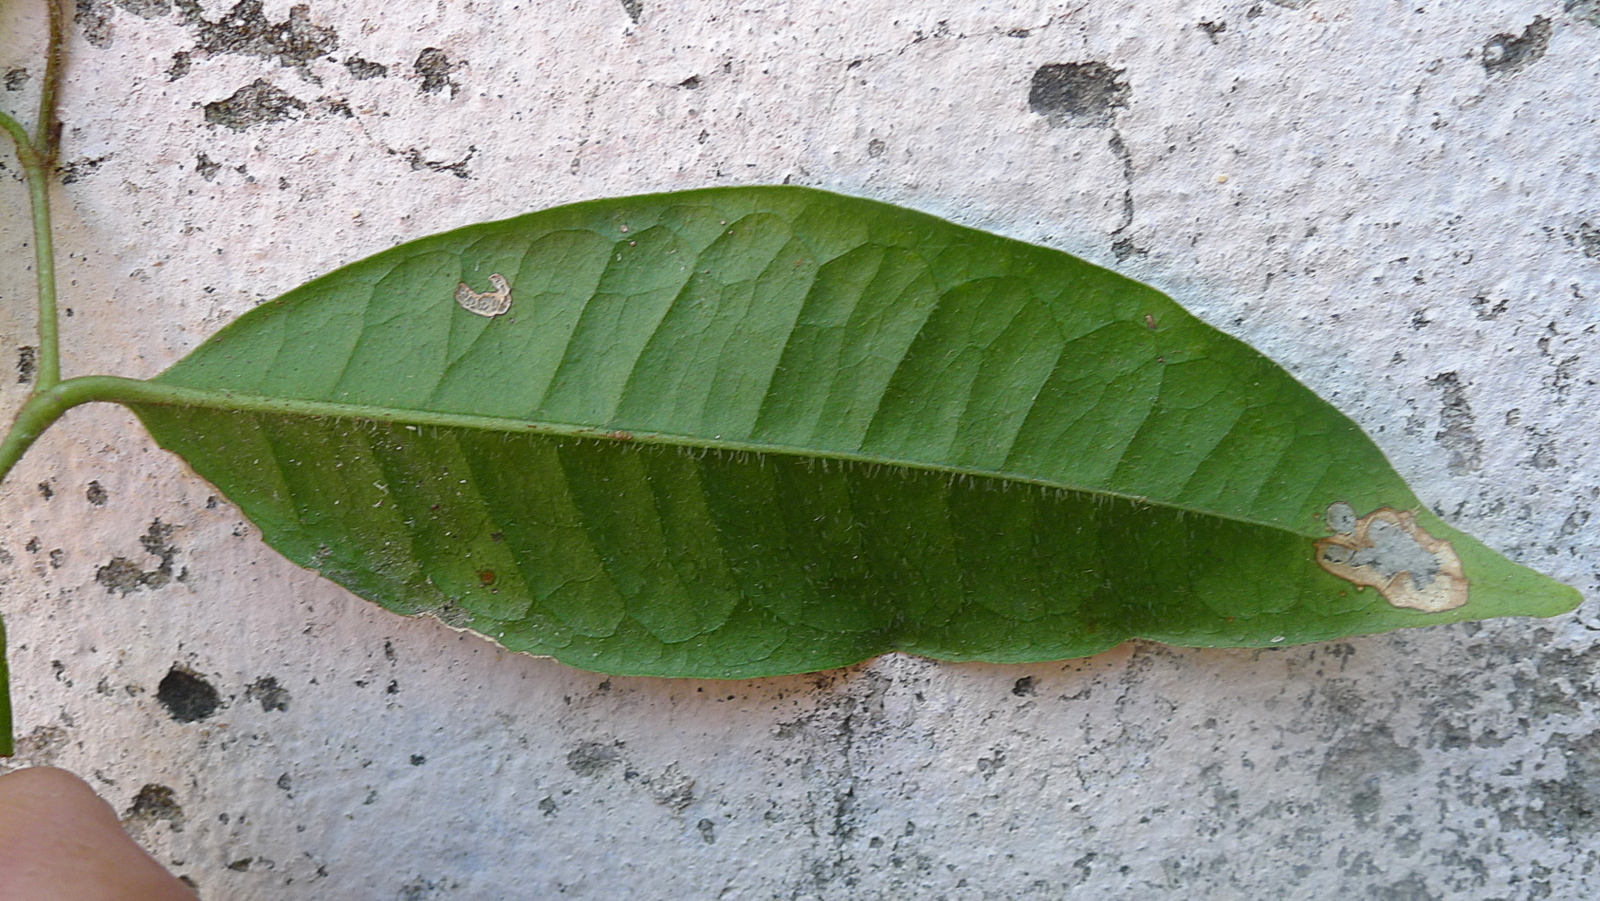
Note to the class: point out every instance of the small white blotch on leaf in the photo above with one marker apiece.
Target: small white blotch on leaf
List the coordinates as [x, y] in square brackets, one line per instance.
[489, 303]
[1387, 550]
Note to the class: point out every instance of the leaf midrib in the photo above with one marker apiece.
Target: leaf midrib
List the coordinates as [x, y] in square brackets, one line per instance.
[135, 392]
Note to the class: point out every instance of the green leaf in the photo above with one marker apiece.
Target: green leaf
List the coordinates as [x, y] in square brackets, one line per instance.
[748, 431]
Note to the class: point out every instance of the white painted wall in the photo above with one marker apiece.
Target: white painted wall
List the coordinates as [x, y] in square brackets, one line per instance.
[1396, 204]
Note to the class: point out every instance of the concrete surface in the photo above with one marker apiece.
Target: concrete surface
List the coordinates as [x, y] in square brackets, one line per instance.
[1396, 200]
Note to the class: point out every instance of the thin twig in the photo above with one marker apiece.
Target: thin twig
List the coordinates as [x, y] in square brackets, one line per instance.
[38, 154]
[47, 134]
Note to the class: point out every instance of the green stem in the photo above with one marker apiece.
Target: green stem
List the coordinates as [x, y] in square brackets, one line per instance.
[47, 146]
[37, 154]
[36, 164]
[49, 371]
[40, 410]
[19, 135]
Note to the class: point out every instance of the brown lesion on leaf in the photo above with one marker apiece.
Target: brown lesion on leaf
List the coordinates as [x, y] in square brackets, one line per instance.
[1387, 550]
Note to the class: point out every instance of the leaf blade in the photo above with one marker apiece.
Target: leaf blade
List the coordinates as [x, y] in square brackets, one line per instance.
[724, 348]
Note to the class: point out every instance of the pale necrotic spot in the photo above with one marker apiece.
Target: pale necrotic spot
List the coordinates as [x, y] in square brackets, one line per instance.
[489, 303]
[1388, 551]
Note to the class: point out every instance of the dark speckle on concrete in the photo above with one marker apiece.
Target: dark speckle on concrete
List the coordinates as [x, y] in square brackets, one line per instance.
[77, 169]
[153, 803]
[1024, 687]
[1561, 380]
[1587, 239]
[94, 18]
[1575, 521]
[459, 168]
[707, 830]
[1077, 94]
[207, 168]
[15, 79]
[547, 806]
[43, 745]
[187, 697]
[1570, 805]
[181, 63]
[1212, 29]
[420, 889]
[1123, 248]
[361, 69]
[1122, 245]
[96, 494]
[634, 9]
[419, 759]
[1544, 450]
[1489, 310]
[271, 695]
[1412, 888]
[591, 758]
[257, 103]
[123, 575]
[146, 9]
[670, 788]
[1506, 53]
[1457, 436]
[1353, 770]
[246, 31]
[27, 364]
[434, 68]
